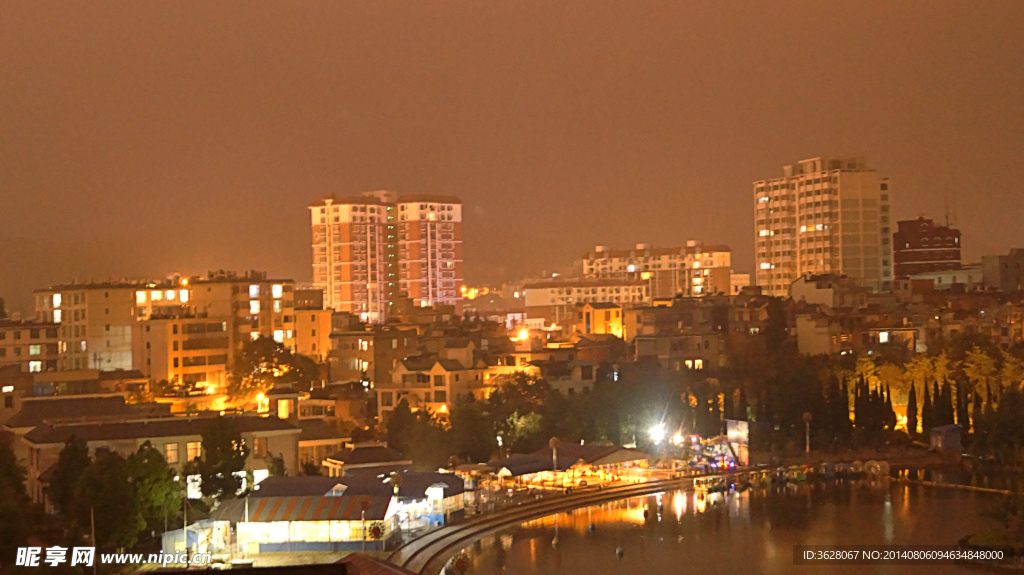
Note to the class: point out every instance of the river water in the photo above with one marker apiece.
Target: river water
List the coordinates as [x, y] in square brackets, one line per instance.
[749, 532]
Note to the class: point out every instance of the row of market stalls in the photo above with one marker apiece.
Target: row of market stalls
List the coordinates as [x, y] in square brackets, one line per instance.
[567, 466]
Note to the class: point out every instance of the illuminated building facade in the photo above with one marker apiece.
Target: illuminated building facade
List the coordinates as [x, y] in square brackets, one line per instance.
[95, 321]
[692, 271]
[824, 215]
[256, 305]
[370, 248]
[188, 351]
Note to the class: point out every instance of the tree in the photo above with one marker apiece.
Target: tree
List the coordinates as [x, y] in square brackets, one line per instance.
[979, 368]
[224, 455]
[429, 448]
[912, 411]
[264, 362]
[71, 464]
[741, 405]
[275, 465]
[310, 469]
[1012, 371]
[158, 493]
[472, 433]
[104, 493]
[400, 427]
[926, 412]
[15, 508]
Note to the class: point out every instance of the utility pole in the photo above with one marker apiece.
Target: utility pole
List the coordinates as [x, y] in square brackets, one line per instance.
[92, 529]
[807, 425]
[184, 524]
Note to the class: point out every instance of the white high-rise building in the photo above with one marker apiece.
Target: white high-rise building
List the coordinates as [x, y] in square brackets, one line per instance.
[823, 216]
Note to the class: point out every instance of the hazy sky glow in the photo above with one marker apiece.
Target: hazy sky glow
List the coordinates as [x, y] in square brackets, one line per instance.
[139, 138]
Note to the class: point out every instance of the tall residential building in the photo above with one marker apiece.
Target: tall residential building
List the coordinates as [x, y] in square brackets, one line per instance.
[692, 271]
[823, 216]
[368, 249]
[920, 246]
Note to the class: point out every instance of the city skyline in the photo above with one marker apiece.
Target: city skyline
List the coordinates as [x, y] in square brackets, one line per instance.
[142, 161]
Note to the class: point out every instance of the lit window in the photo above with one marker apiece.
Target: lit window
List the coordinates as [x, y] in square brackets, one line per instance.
[170, 295]
[277, 290]
[279, 335]
[698, 364]
[35, 349]
[56, 300]
[288, 334]
[254, 306]
[883, 337]
[171, 452]
[254, 335]
[35, 366]
[193, 449]
[183, 295]
[56, 316]
[277, 306]
[156, 295]
[83, 346]
[140, 298]
[254, 291]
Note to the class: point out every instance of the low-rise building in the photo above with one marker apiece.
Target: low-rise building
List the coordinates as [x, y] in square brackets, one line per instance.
[370, 355]
[430, 383]
[1004, 273]
[372, 457]
[682, 351]
[31, 345]
[179, 439]
[598, 318]
[187, 352]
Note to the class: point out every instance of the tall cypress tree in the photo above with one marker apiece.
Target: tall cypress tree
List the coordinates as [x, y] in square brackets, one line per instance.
[728, 412]
[926, 411]
[890, 413]
[947, 403]
[741, 405]
[963, 411]
[976, 416]
[912, 411]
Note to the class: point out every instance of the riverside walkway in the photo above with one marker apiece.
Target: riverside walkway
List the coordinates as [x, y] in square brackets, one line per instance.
[429, 553]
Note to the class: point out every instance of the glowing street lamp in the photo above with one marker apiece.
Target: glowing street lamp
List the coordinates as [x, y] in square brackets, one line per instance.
[658, 433]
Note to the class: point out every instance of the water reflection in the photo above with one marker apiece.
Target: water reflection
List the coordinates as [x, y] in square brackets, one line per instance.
[752, 531]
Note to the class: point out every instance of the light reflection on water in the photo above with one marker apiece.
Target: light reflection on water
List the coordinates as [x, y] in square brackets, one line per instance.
[748, 532]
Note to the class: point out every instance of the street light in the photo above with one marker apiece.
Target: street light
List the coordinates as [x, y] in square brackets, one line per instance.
[807, 424]
[658, 433]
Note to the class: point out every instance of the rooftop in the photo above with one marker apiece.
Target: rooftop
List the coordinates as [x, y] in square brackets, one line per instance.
[47, 433]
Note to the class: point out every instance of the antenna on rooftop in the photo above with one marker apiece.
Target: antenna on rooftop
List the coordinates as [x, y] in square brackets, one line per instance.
[950, 208]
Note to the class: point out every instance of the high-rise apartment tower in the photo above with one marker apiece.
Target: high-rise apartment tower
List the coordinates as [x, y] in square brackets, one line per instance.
[369, 249]
[823, 216]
